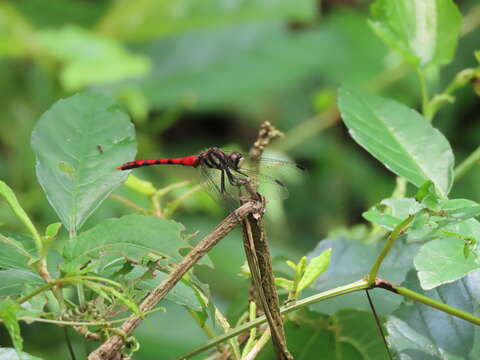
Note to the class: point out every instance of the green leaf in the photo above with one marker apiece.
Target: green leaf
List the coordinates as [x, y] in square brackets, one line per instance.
[13, 254]
[10, 197]
[348, 334]
[181, 293]
[141, 186]
[132, 236]
[146, 19]
[442, 261]
[107, 292]
[89, 59]
[52, 229]
[425, 32]
[314, 269]
[376, 216]
[8, 315]
[417, 331]
[460, 209]
[12, 354]
[399, 137]
[75, 176]
[13, 281]
[394, 211]
[350, 261]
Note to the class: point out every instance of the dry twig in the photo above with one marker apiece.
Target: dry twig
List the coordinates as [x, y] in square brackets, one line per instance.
[110, 348]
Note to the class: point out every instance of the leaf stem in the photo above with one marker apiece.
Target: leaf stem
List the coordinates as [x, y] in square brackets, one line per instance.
[410, 294]
[399, 229]
[346, 289]
[467, 164]
[425, 99]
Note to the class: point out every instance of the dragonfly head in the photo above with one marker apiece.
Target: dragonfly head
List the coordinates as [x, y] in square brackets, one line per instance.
[235, 159]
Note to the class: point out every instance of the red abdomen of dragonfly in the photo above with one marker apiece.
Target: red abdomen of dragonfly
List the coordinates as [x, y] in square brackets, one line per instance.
[185, 161]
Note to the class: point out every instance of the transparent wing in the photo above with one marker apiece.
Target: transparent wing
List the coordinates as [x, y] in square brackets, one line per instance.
[211, 182]
[271, 176]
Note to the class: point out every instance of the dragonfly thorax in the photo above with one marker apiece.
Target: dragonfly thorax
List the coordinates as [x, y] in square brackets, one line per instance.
[215, 158]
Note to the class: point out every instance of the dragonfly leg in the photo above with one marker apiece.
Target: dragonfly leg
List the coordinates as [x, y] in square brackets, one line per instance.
[222, 182]
[232, 179]
[241, 173]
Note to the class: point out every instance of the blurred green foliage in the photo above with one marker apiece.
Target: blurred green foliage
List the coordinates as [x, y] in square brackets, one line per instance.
[194, 74]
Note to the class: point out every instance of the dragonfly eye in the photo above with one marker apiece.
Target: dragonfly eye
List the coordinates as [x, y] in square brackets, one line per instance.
[236, 159]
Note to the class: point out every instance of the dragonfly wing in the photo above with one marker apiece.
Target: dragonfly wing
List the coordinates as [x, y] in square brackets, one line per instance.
[212, 185]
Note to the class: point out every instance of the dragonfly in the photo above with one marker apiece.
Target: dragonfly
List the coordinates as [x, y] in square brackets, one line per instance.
[224, 170]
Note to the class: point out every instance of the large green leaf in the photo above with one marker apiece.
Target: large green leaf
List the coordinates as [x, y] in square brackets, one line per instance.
[419, 332]
[144, 19]
[12, 282]
[12, 354]
[399, 137]
[348, 334]
[350, 261]
[132, 236]
[89, 59]
[78, 144]
[443, 261]
[425, 32]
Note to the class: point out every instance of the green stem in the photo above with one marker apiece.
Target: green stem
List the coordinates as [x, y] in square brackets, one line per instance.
[436, 304]
[467, 164]
[346, 289]
[386, 249]
[425, 99]
[53, 283]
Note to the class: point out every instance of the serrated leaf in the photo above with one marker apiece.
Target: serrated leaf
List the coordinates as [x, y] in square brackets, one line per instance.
[316, 266]
[417, 331]
[350, 261]
[89, 59]
[425, 32]
[132, 236]
[146, 19]
[12, 354]
[8, 315]
[70, 133]
[442, 261]
[12, 281]
[399, 137]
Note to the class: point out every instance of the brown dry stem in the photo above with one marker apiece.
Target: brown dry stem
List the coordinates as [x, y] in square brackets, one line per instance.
[258, 255]
[111, 347]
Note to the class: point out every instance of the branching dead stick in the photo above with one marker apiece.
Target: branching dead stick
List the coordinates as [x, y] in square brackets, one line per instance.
[258, 255]
[110, 348]
[259, 262]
